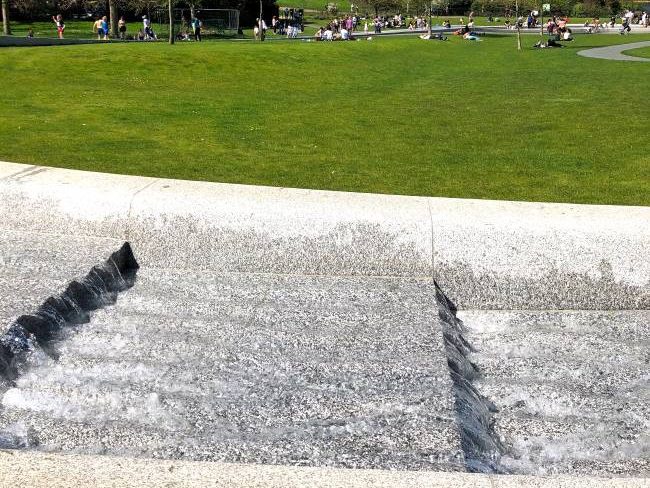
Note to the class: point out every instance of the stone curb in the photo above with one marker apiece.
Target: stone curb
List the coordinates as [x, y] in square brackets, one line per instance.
[33, 469]
[486, 254]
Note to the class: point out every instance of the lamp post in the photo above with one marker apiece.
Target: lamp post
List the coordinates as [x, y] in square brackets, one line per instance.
[430, 9]
[518, 26]
[171, 22]
[6, 26]
[261, 23]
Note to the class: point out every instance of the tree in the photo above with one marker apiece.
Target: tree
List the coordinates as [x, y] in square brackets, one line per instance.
[193, 4]
[112, 15]
[382, 5]
[6, 27]
[171, 22]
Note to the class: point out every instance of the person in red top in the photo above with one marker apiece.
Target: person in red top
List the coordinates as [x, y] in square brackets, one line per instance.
[60, 26]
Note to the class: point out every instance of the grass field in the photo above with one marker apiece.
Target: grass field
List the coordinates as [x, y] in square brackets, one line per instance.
[74, 29]
[643, 52]
[393, 115]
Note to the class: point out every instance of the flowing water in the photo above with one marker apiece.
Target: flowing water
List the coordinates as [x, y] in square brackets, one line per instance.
[324, 371]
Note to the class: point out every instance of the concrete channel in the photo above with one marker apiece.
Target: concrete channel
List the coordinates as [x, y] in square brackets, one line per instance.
[201, 333]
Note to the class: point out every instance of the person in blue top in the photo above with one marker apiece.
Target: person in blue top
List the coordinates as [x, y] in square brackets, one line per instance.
[104, 27]
[196, 26]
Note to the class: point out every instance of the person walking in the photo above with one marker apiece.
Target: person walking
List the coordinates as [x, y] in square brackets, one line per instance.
[104, 26]
[196, 26]
[97, 27]
[148, 31]
[60, 26]
[121, 27]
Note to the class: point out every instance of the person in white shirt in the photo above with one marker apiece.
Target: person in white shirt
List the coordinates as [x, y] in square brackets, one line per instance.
[345, 34]
[328, 34]
[148, 32]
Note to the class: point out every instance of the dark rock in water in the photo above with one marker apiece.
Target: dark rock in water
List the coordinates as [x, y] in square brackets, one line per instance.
[97, 289]
[17, 436]
[480, 443]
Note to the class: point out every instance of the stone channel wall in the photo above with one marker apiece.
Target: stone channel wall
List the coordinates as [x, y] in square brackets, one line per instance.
[484, 254]
[481, 255]
[14, 41]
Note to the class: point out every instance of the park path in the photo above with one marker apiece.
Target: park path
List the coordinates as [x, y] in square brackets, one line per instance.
[616, 52]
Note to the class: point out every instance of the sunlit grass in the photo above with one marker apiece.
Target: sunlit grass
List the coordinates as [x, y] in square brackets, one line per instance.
[396, 115]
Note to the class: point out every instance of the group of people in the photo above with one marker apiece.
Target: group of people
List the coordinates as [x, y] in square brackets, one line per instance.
[329, 33]
[636, 17]
[559, 28]
[418, 23]
[101, 27]
[193, 32]
[342, 29]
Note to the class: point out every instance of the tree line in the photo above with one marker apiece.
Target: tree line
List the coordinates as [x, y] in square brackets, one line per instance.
[130, 9]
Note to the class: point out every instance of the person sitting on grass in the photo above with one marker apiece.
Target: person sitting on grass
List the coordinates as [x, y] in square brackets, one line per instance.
[547, 44]
[30, 33]
[550, 27]
[328, 35]
[462, 31]
[596, 24]
[319, 34]
[60, 26]
[446, 24]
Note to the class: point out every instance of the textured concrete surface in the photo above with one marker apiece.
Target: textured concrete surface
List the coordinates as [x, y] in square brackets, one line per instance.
[33, 266]
[317, 371]
[572, 388]
[615, 53]
[14, 41]
[516, 255]
[35, 470]
[484, 254]
[300, 327]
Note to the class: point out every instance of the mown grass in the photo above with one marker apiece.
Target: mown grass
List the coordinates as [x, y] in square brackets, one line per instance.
[74, 29]
[394, 115]
[643, 52]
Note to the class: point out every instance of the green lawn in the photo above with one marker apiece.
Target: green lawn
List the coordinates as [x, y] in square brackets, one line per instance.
[74, 29]
[643, 52]
[393, 115]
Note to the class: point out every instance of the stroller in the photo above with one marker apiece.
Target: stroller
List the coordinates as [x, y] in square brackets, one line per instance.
[149, 34]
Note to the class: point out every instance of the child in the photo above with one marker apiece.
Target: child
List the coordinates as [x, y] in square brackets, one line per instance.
[60, 26]
[97, 26]
[104, 26]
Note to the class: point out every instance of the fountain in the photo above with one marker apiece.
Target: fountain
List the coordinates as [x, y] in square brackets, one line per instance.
[295, 328]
